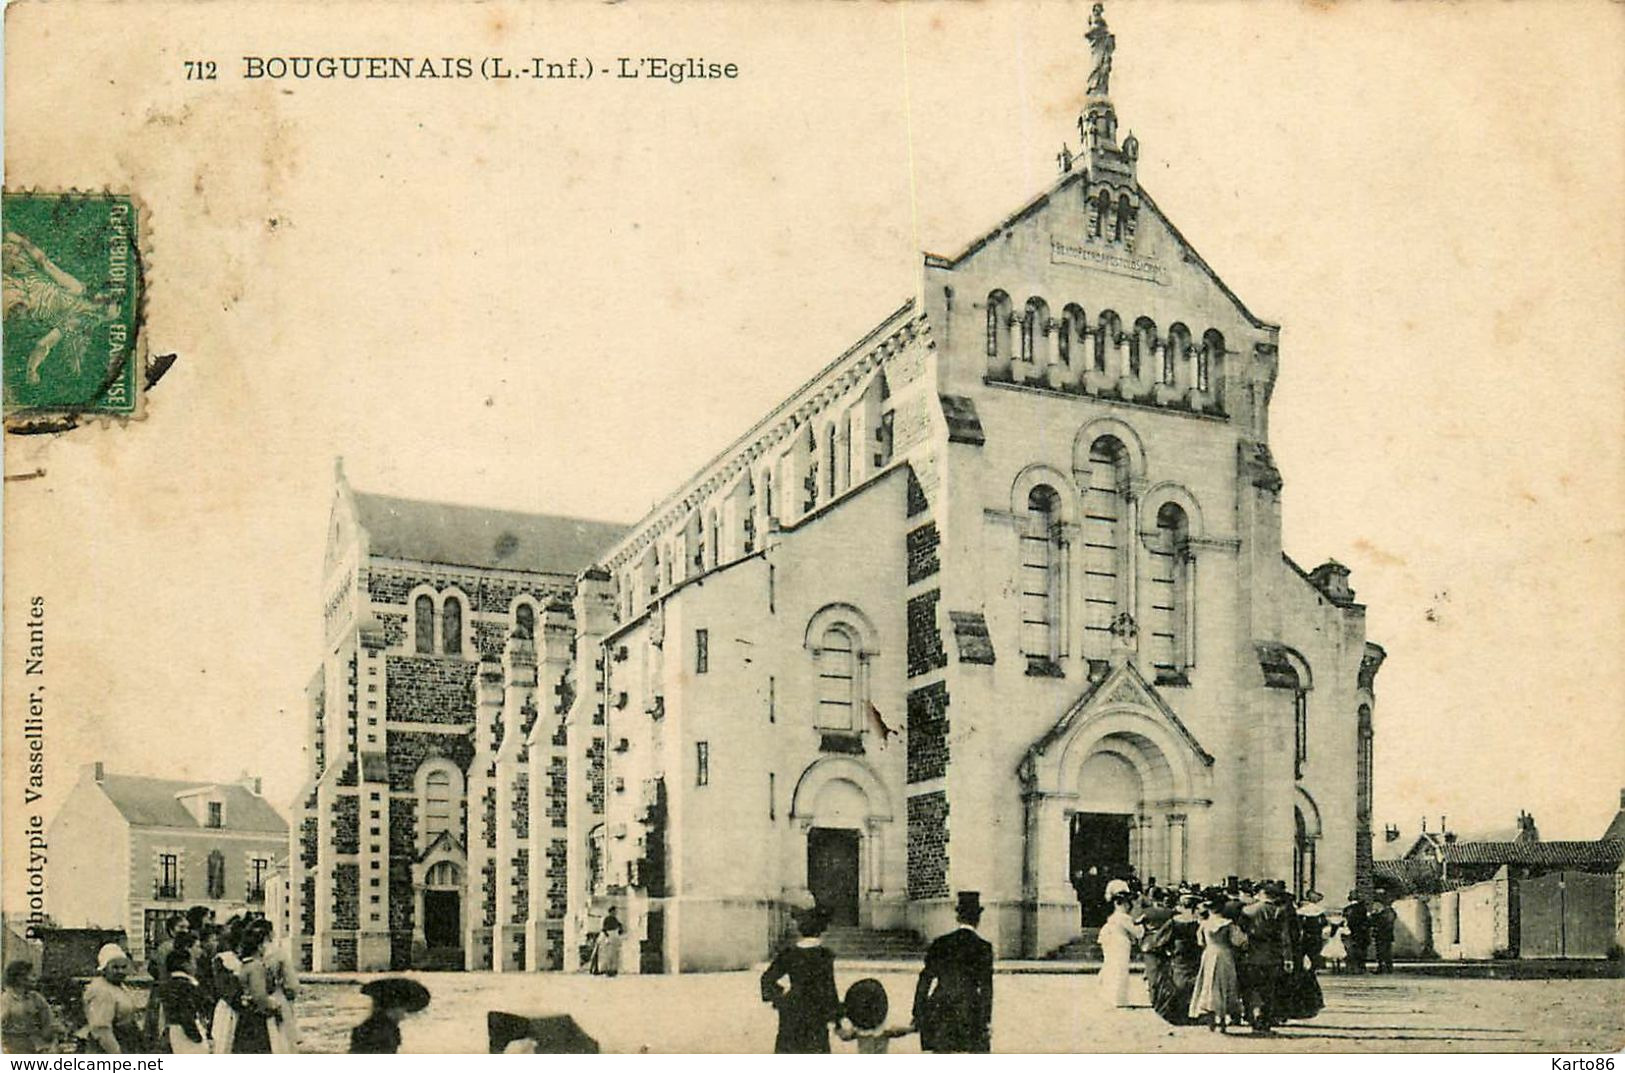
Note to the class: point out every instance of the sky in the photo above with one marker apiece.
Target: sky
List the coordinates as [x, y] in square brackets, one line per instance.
[566, 297]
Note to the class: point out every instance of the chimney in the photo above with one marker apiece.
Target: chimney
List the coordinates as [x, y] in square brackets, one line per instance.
[93, 772]
[1424, 825]
[251, 783]
[1390, 833]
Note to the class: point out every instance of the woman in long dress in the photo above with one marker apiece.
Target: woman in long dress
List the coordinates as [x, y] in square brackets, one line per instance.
[226, 981]
[1182, 961]
[255, 1009]
[282, 982]
[1117, 938]
[1217, 994]
[606, 955]
[810, 1004]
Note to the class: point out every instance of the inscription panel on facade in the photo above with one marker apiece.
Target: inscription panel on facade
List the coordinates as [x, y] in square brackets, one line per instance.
[1117, 263]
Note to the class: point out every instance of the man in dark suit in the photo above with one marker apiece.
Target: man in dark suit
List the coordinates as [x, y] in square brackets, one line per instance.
[1357, 923]
[953, 1002]
[1271, 937]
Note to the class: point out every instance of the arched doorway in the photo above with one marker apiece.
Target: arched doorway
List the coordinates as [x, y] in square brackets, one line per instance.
[844, 810]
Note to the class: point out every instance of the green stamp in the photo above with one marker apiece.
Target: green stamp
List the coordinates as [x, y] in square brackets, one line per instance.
[73, 289]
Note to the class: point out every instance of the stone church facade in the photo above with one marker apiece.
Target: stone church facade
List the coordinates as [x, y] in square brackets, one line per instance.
[996, 601]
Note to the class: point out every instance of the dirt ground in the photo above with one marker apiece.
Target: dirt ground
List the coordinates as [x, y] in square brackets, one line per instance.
[1046, 1013]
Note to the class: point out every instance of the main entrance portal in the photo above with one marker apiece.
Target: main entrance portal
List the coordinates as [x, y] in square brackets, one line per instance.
[1100, 853]
[832, 872]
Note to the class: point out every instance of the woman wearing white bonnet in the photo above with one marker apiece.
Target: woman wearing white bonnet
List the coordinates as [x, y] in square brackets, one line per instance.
[112, 1009]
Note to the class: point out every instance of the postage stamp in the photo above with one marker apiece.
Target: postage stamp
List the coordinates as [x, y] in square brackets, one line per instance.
[73, 301]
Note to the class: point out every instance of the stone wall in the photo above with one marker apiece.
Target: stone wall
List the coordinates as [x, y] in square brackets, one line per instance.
[430, 689]
[928, 846]
[346, 824]
[925, 649]
[928, 732]
[923, 545]
[346, 896]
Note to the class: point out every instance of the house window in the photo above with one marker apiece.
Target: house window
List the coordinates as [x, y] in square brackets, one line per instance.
[702, 763]
[837, 679]
[451, 630]
[258, 867]
[217, 875]
[423, 614]
[168, 881]
[702, 651]
[437, 804]
[217, 814]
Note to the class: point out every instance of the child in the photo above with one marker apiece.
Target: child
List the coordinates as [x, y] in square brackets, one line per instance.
[865, 1012]
[393, 999]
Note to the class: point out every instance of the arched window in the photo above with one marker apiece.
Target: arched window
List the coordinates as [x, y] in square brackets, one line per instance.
[837, 679]
[809, 483]
[829, 460]
[1105, 544]
[998, 331]
[524, 620]
[1208, 360]
[1170, 625]
[437, 805]
[767, 493]
[1072, 323]
[1142, 344]
[451, 627]
[442, 875]
[1122, 226]
[1034, 325]
[1103, 211]
[423, 624]
[713, 551]
[1179, 347]
[1040, 575]
[1106, 340]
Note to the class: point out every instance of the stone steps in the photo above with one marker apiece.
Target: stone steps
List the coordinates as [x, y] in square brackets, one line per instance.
[1086, 947]
[867, 944]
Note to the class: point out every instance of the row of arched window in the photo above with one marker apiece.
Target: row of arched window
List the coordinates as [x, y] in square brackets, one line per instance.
[438, 619]
[1101, 560]
[822, 459]
[1076, 343]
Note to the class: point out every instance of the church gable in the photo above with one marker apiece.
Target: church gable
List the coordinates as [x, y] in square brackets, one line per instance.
[1120, 690]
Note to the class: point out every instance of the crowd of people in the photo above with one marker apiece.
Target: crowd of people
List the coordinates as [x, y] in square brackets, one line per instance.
[1243, 954]
[215, 988]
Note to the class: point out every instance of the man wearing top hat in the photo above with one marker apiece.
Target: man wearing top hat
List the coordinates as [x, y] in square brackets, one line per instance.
[1271, 939]
[953, 1002]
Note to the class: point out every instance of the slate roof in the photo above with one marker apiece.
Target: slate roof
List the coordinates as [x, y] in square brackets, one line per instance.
[481, 536]
[145, 802]
[1545, 854]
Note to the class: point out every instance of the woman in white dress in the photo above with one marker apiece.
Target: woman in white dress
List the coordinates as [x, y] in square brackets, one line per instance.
[282, 981]
[1117, 938]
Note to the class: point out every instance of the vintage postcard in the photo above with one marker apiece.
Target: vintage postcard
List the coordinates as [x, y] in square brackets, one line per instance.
[859, 528]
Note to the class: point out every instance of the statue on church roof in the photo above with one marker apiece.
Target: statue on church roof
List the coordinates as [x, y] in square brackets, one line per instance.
[1101, 44]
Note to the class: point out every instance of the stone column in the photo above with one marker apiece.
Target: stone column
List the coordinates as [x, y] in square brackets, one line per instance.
[519, 691]
[1176, 847]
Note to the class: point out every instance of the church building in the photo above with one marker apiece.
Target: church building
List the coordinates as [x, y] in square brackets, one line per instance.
[996, 601]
